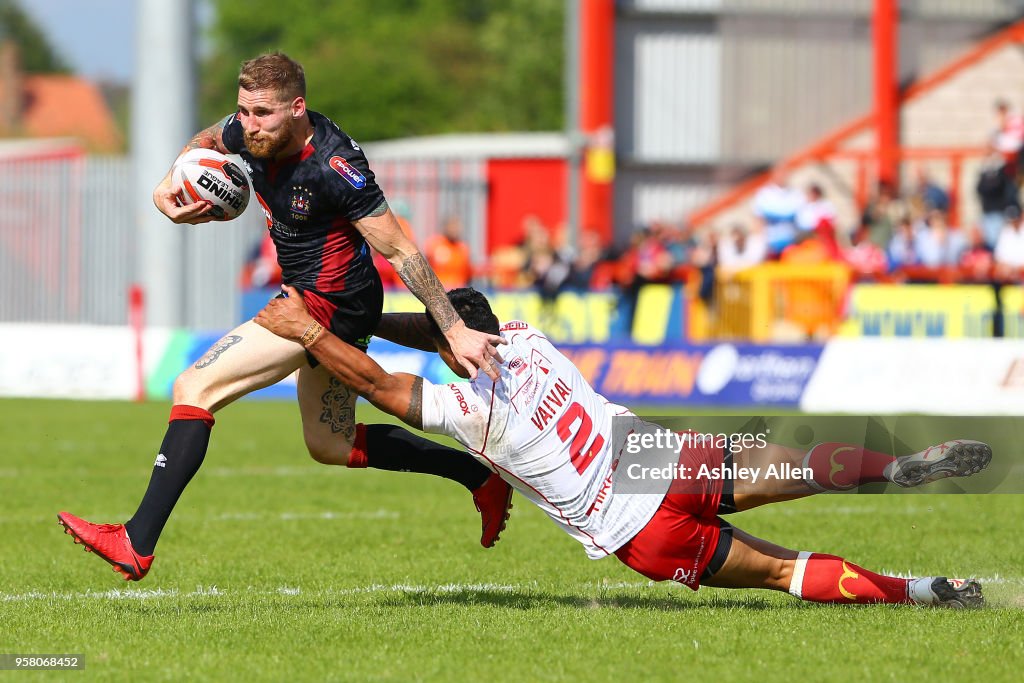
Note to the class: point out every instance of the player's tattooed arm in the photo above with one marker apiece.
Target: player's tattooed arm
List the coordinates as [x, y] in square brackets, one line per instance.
[209, 138]
[473, 350]
[412, 330]
[414, 415]
[421, 280]
[386, 236]
[164, 196]
[352, 370]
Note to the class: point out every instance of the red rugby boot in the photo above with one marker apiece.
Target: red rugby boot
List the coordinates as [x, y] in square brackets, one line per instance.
[493, 500]
[109, 541]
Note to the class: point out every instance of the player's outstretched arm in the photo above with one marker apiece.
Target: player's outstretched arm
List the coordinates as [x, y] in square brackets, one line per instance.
[164, 196]
[411, 330]
[472, 349]
[400, 394]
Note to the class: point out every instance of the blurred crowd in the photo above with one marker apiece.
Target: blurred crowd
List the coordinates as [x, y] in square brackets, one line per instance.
[904, 234]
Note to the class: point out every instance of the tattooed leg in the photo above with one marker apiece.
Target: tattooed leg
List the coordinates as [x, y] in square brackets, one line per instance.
[338, 409]
[215, 352]
[247, 358]
[328, 416]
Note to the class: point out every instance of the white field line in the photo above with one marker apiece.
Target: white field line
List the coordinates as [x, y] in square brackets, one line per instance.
[405, 588]
[231, 472]
[302, 516]
[213, 591]
[362, 515]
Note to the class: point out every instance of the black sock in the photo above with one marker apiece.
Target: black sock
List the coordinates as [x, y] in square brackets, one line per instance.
[389, 447]
[181, 454]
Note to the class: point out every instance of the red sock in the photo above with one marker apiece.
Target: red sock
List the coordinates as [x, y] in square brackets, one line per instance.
[184, 412]
[357, 458]
[827, 578]
[842, 466]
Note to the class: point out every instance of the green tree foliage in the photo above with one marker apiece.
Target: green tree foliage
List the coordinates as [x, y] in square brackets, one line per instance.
[395, 68]
[34, 51]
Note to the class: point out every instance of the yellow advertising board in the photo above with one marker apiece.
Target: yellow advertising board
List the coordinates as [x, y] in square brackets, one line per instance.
[1012, 299]
[950, 311]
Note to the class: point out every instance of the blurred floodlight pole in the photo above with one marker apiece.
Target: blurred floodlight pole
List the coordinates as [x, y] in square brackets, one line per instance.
[163, 120]
[572, 120]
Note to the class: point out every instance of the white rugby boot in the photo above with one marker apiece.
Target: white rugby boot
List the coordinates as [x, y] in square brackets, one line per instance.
[938, 591]
[958, 458]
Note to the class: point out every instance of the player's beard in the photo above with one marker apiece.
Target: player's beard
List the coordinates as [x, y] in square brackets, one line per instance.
[268, 145]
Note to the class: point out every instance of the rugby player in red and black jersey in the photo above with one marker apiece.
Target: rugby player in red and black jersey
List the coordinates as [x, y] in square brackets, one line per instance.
[324, 211]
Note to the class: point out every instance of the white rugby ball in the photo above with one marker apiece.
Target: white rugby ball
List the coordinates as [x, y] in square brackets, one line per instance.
[206, 174]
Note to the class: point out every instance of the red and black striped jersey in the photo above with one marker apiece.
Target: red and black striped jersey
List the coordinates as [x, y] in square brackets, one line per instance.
[310, 201]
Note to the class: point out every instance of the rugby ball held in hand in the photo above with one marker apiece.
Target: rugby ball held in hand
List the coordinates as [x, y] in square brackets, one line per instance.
[208, 175]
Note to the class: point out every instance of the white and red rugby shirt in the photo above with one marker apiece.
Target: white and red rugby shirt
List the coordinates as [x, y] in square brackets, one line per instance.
[545, 430]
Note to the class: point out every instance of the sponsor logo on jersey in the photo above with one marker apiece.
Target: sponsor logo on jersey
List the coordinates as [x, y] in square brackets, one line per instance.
[550, 403]
[354, 145]
[346, 171]
[461, 398]
[540, 361]
[300, 202]
[272, 223]
[517, 365]
[513, 325]
[523, 398]
[602, 494]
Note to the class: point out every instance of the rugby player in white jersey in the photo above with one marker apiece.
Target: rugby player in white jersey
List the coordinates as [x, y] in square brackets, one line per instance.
[545, 430]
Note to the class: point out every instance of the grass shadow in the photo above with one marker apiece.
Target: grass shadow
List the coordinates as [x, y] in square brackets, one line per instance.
[541, 599]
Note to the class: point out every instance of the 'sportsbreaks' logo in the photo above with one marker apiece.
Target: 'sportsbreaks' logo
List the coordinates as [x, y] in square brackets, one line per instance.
[346, 171]
[463, 404]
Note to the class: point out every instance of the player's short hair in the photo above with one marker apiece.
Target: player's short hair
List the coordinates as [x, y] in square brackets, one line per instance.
[274, 71]
[473, 308]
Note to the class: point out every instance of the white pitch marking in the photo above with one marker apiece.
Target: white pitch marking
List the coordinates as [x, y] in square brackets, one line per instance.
[301, 516]
[214, 592]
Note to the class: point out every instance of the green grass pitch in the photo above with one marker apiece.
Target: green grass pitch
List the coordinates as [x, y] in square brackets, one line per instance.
[274, 567]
